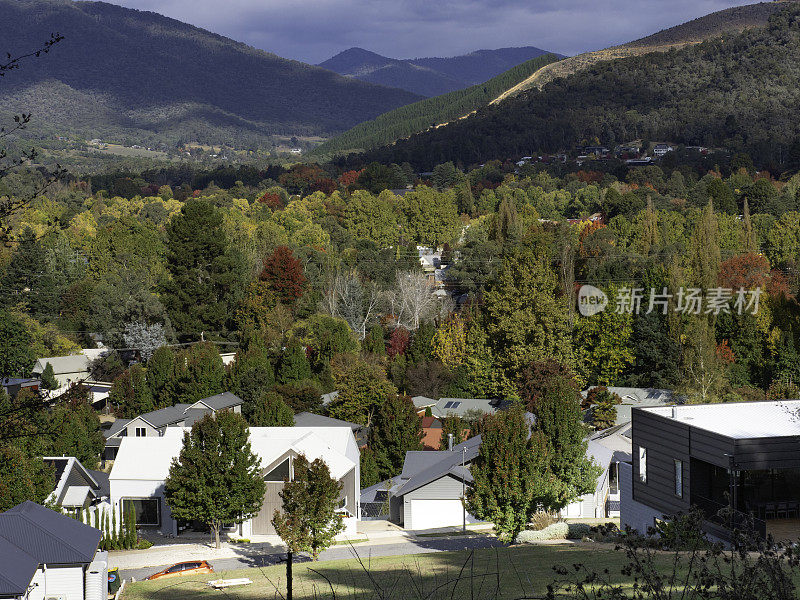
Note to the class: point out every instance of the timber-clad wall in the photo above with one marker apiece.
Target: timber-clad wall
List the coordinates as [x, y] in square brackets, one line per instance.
[665, 441]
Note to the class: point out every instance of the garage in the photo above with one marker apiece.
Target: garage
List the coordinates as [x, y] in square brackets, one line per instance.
[427, 514]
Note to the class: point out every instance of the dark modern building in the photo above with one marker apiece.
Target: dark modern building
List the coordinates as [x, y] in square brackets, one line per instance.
[744, 456]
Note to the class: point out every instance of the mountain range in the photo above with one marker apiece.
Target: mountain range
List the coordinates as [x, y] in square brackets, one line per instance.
[429, 76]
[124, 74]
[729, 80]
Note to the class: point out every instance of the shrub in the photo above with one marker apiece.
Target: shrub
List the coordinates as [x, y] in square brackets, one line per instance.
[556, 531]
[578, 531]
[541, 520]
[143, 544]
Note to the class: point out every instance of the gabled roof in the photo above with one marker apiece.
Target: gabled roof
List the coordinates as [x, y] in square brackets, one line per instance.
[638, 397]
[460, 406]
[171, 415]
[71, 474]
[75, 363]
[307, 419]
[447, 463]
[31, 535]
[220, 401]
[423, 401]
[149, 458]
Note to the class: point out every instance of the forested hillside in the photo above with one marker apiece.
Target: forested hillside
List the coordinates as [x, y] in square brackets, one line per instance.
[741, 92]
[127, 74]
[419, 116]
[429, 76]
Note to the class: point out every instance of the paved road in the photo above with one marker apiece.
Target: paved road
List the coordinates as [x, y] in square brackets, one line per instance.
[418, 546]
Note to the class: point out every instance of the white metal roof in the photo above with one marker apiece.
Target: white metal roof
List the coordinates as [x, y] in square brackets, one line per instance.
[740, 420]
[149, 458]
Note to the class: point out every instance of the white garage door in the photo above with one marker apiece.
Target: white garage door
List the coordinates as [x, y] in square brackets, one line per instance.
[426, 514]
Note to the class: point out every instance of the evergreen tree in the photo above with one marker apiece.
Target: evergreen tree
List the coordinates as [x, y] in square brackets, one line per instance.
[216, 479]
[23, 477]
[162, 377]
[207, 276]
[395, 430]
[704, 253]
[369, 468]
[130, 393]
[374, 342]
[510, 476]
[251, 374]
[293, 366]
[558, 419]
[525, 318]
[456, 426]
[16, 355]
[49, 381]
[28, 283]
[650, 235]
[268, 410]
[308, 521]
[749, 242]
[201, 373]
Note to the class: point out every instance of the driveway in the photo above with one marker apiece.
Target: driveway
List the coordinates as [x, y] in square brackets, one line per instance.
[272, 555]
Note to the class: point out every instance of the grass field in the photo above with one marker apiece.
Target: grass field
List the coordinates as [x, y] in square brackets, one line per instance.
[517, 571]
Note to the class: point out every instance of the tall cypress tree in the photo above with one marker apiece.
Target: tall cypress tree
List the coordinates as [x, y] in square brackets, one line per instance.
[207, 276]
[396, 429]
[558, 419]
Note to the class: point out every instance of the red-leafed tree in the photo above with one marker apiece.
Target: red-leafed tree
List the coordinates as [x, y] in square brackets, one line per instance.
[283, 272]
[271, 199]
[747, 271]
[399, 341]
[348, 178]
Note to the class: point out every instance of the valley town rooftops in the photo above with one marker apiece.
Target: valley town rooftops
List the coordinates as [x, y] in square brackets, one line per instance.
[738, 420]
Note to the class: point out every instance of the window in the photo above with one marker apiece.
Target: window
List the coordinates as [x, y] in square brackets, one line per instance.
[679, 479]
[642, 464]
[175, 568]
[381, 496]
[141, 432]
[613, 478]
[148, 510]
[279, 473]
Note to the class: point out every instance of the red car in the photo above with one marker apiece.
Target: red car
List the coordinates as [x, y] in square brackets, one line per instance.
[197, 567]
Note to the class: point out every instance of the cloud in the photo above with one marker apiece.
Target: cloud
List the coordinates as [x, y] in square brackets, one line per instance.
[312, 31]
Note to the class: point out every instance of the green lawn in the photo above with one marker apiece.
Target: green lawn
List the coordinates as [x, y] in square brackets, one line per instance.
[519, 571]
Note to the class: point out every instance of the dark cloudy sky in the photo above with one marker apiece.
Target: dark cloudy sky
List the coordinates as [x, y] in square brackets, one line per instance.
[314, 30]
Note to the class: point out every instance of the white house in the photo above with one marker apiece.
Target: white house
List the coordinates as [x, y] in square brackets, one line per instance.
[142, 466]
[47, 555]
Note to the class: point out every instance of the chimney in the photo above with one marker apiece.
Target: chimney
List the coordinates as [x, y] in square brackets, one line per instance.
[674, 412]
[450, 442]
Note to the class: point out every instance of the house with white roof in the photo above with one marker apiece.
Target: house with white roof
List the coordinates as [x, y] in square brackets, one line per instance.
[142, 466]
[743, 458]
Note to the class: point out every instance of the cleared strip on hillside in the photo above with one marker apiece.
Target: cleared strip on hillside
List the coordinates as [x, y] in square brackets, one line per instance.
[729, 20]
[432, 112]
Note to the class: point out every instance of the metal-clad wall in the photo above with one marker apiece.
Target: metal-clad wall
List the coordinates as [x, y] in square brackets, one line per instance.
[768, 453]
[665, 441]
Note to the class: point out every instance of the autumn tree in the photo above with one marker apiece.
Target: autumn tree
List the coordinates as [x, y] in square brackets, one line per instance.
[538, 376]
[283, 272]
[362, 387]
[455, 426]
[308, 521]
[216, 478]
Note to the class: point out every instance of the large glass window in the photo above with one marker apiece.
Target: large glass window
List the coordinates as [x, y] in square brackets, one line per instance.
[279, 473]
[643, 464]
[148, 510]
